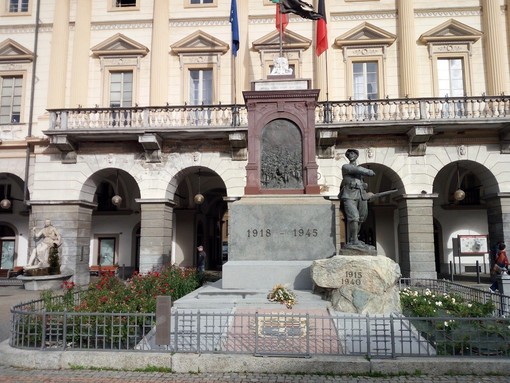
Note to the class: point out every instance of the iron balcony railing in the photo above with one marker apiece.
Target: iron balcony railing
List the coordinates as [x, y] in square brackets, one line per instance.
[329, 113]
[272, 333]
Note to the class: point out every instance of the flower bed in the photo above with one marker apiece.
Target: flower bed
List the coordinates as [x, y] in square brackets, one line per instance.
[110, 314]
[455, 326]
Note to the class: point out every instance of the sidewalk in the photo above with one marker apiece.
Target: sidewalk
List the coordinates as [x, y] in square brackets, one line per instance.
[13, 375]
[10, 296]
[224, 364]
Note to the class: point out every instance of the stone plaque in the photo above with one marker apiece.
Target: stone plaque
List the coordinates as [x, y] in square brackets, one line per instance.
[281, 228]
[281, 85]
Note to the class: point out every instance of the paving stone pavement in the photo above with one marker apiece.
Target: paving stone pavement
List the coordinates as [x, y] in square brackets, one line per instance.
[16, 375]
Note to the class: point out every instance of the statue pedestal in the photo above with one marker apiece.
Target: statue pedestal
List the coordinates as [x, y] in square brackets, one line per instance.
[44, 282]
[359, 284]
[274, 239]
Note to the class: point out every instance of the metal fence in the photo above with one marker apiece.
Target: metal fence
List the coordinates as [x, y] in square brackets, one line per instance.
[271, 333]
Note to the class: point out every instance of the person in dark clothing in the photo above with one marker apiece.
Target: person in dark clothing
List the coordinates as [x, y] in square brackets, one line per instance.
[201, 258]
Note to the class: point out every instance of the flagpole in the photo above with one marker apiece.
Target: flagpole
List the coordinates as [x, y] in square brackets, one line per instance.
[328, 116]
[235, 79]
[281, 29]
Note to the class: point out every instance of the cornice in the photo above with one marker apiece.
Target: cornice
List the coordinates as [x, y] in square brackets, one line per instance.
[24, 28]
[134, 24]
[196, 22]
[448, 12]
[372, 15]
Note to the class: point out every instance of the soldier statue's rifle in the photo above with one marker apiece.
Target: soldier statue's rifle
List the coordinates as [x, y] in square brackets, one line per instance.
[372, 196]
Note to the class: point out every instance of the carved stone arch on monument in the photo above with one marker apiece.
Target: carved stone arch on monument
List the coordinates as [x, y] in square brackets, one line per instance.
[281, 156]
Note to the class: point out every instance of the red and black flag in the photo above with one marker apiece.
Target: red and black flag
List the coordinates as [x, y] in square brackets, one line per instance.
[281, 18]
[322, 30]
[300, 8]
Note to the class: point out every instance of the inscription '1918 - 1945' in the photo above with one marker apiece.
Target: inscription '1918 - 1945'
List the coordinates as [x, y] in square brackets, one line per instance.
[266, 233]
[352, 278]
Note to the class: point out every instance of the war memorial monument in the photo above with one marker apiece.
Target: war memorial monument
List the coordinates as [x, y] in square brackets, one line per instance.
[282, 230]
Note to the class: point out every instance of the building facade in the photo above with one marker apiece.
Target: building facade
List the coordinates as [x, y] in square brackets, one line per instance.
[143, 101]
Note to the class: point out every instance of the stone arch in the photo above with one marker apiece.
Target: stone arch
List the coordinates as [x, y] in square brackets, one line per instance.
[116, 177]
[470, 216]
[198, 224]
[382, 223]
[112, 222]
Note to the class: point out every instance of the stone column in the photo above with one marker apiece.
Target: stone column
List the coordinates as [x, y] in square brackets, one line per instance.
[239, 78]
[320, 69]
[73, 220]
[159, 54]
[58, 57]
[416, 236]
[495, 49]
[407, 45]
[156, 234]
[498, 218]
[81, 53]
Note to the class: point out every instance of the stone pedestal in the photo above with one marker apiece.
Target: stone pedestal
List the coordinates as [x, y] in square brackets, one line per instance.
[274, 239]
[45, 282]
[359, 284]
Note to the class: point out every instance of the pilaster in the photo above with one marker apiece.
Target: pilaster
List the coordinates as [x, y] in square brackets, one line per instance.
[240, 82]
[495, 50]
[159, 54]
[407, 41]
[58, 57]
[416, 236]
[156, 234]
[81, 51]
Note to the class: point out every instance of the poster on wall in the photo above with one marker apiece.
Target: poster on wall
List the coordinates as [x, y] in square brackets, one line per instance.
[473, 244]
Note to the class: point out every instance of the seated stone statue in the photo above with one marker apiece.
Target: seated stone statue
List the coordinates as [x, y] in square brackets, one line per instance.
[40, 254]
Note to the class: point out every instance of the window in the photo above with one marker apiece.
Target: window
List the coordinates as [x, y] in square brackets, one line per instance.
[10, 99]
[106, 253]
[201, 86]
[125, 3]
[7, 247]
[450, 76]
[450, 46]
[200, 3]
[121, 89]
[364, 80]
[18, 6]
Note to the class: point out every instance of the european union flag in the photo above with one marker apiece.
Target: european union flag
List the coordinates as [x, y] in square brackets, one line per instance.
[235, 27]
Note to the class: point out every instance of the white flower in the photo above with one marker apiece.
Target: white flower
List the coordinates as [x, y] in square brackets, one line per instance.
[439, 303]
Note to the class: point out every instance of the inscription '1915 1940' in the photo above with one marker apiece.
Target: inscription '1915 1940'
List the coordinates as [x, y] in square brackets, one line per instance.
[352, 278]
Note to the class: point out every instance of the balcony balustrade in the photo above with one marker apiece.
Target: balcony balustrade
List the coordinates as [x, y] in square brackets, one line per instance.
[327, 114]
